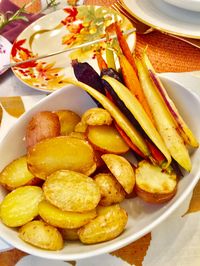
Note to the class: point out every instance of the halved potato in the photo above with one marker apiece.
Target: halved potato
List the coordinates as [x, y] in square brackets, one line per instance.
[21, 205]
[68, 120]
[16, 174]
[81, 127]
[42, 125]
[41, 235]
[153, 185]
[62, 219]
[78, 135]
[72, 191]
[96, 117]
[111, 190]
[121, 169]
[69, 234]
[109, 223]
[106, 139]
[58, 153]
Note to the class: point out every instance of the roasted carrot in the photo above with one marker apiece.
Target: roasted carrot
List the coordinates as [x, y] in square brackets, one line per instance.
[128, 141]
[101, 62]
[133, 84]
[124, 46]
[156, 153]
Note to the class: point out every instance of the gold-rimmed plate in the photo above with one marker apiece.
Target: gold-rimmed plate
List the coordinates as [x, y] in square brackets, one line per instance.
[57, 31]
[165, 17]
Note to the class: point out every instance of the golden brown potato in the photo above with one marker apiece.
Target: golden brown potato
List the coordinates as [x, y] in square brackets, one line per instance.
[70, 234]
[41, 235]
[121, 169]
[78, 135]
[62, 219]
[68, 120]
[153, 185]
[96, 117]
[109, 223]
[106, 139]
[72, 191]
[42, 125]
[81, 127]
[21, 205]
[61, 153]
[16, 174]
[111, 191]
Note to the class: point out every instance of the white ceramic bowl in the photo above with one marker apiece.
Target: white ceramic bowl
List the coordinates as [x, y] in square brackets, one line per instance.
[193, 5]
[142, 217]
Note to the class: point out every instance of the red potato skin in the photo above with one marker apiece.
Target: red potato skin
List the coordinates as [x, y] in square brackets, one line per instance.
[42, 125]
[155, 198]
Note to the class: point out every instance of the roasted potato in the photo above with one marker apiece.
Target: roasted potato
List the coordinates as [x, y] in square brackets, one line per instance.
[70, 234]
[109, 223]
[154, 185]
[78, 135]
[81, 127]
[106, 139]
[42, 125]
[62, 219]
[96, 117]
[21, 205]
[41, 235]
[121, 169]
[16, 174]
[68, 120]
[111, 190]
[71, 191]
[60, 153]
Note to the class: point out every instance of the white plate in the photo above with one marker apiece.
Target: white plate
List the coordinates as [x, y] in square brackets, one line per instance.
[142, 217]
[193, 5]
[58, 31]
[165, 17]
[5, 48]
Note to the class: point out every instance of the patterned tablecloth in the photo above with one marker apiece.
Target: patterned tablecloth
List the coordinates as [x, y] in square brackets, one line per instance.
[177, 240]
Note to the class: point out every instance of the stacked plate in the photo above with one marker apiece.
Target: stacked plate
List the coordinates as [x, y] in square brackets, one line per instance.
[179, 17]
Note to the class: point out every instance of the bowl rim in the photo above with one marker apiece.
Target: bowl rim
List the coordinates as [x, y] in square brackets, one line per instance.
[116, 245]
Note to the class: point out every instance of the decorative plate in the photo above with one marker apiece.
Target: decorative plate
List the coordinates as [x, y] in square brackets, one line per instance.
[57, 31]
[5, 48]
[165, 17]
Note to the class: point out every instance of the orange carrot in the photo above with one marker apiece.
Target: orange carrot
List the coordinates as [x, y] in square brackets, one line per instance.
[156, 153]
[101, 62]
[128, 141]
[124, 46]
[133, 84]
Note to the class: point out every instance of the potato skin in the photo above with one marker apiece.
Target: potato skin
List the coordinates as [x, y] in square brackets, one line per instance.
[21, 205]
[109, 223]
[121, 169]
[68, 120]
[16, 174]
[42, 125]
[111, 191]
[41, 235]
[96, 117]
[61, 153]
[71, 191]
[69, 234]
[62, 219]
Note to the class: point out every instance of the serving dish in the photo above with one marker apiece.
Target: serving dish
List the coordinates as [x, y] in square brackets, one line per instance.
[58, 31]
[165, 17]
[193, 5]
[142, 217]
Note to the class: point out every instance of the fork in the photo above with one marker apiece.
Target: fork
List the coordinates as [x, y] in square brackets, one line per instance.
[142, 28]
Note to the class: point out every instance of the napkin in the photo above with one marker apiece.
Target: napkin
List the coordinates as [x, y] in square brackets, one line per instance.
[13, 29]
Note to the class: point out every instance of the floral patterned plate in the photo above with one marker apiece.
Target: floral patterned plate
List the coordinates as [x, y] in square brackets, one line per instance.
[59, 30]
[5, 48]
